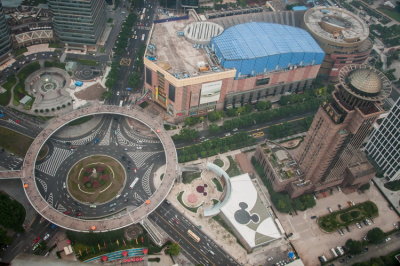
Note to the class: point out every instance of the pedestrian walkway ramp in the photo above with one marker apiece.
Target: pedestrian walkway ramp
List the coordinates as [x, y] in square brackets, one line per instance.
[11, 174]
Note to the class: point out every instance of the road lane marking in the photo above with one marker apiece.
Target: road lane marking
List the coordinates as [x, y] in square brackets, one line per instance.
[189, 241]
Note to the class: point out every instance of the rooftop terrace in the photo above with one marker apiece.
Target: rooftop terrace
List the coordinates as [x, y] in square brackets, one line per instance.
[283, 163]
[169, 49]
[336, 24]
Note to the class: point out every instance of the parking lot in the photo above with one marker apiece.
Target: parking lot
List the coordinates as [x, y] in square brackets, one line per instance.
[310, 242]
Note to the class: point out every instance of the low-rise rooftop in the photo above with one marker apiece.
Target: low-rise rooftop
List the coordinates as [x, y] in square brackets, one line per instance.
[284, 165]
[337, 25]
[169, 49]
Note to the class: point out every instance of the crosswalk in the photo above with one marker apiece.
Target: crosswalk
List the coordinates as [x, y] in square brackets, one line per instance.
[51, 165]
[105, 141]
[146, 180]
[140, 157]
[122, 140]
[84, 140]
[50, 199]
[138, 199]
[44, 184]
[61, 208]
[139, 138]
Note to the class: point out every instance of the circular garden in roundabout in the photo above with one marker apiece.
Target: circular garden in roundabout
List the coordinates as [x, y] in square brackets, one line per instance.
[96, 179]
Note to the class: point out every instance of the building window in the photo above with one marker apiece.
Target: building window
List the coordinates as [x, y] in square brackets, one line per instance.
[148, 77]
[263, 81]
[171, 92]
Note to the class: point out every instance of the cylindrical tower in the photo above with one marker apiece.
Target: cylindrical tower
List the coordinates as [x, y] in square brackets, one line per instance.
[341, 34]
[361, 86]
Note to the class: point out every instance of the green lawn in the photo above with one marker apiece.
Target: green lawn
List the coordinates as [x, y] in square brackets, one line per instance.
[391, 13]
[351, 215]
[219, 162]
[179, 197]
[217, 184]
[20, 51]
[54, 64]
[17, 143]
[14, 142]
[55, 45]
[233, 169]
[5, 97]
[88, 62]
[19, 89]
[188, 177]
[80, 120]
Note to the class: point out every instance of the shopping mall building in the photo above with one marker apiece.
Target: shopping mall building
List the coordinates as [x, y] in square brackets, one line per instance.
[193, 66]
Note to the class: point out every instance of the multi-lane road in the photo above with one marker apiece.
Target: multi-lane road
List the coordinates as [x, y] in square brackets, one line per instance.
[176, 225]
[141, 28]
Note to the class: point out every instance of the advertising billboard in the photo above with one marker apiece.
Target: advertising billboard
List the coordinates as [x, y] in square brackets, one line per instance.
[210, 92]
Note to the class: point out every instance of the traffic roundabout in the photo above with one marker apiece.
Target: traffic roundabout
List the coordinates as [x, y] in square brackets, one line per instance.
[96, 179]
[102, 186]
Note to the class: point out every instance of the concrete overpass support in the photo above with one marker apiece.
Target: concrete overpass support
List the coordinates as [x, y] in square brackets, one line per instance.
[154, 233]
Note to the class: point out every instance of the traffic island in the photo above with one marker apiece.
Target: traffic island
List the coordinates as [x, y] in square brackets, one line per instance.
[96, 179]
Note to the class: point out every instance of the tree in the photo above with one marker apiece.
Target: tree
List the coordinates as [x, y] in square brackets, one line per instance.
[215, 116]
[191, 120]
[186, 134]
[263, 105]
[214, 128]
[231, 112]
[12, 213]
[364, 187]
[4, 239]
[173, 249]
[375, 235]
[354, 246]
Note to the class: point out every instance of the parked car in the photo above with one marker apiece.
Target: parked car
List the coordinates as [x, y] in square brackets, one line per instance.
[46, 236]
[314, 217]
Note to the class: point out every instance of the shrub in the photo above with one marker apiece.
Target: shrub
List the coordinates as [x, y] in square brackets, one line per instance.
[375, 235]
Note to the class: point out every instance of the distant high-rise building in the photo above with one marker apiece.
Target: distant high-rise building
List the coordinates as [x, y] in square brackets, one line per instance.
[5, 38]
[341, 34]
[384, 144]
[330, 154]
[78, 23]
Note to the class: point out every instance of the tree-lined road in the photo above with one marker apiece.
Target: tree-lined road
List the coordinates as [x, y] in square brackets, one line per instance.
[176, 225]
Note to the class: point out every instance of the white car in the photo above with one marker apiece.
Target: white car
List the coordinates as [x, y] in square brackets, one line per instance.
[46, 236]
[117, 93]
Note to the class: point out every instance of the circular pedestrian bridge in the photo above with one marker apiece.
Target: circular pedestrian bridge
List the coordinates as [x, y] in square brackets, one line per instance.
[123, 219]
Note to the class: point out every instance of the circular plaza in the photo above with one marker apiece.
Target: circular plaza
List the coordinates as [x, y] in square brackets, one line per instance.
[101, 178]
[48, 86]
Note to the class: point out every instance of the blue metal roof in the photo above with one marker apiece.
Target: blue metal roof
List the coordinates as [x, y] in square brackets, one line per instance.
[257, 47]
[259, 39]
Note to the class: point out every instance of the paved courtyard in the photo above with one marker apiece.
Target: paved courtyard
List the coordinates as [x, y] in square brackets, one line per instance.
[310, 242]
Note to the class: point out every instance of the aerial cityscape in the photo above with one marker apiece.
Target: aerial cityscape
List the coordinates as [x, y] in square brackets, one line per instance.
[199, 132]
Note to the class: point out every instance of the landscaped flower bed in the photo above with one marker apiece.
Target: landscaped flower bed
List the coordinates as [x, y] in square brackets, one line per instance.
[351, 215]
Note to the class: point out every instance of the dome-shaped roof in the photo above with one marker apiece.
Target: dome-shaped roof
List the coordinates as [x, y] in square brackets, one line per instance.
[366, 80]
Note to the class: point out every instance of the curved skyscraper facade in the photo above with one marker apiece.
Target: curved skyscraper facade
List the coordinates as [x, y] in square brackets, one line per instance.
[5, 39]
[78, 23]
